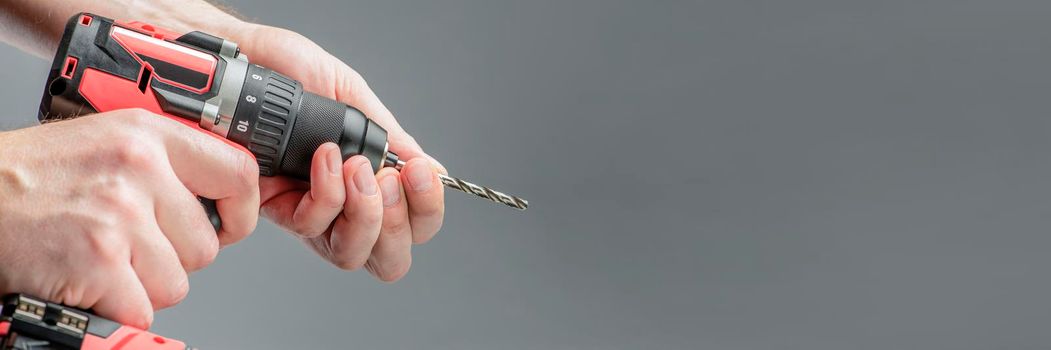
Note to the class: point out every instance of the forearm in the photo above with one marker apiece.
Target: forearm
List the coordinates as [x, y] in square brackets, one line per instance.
[36, 25]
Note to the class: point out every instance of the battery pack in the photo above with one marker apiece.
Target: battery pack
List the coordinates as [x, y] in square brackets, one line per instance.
[28, 323]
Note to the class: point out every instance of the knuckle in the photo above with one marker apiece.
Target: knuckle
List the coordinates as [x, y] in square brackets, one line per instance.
[370, 218]
[306, 231]
[424, 237]
[348, 255]
[175, 294]
[305, 228]
[393, 274]
[131, 152]
[118, 205]
[118, 197]
[247, 231]
[206, 254]
[136, 117]
[396, 227]
[108, 245]
[353, 82]
[248, 171]
[231, 236]
[70, 294]
[390, 271]
[348, 263]
[181, 289]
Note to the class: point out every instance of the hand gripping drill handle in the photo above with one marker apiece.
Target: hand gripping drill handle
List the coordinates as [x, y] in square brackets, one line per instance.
[205, 82]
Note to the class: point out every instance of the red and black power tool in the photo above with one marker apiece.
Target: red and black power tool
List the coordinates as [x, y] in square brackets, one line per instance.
[28, 323]
[207, 83]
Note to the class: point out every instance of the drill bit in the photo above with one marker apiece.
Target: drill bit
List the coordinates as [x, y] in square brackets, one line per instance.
[467, 187]
[484, 192]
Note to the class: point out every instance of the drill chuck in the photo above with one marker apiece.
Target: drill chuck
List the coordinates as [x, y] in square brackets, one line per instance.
[285, 125]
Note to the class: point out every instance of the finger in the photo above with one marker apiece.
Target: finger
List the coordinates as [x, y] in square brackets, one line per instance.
[182, 220]
[357, 229]
[216, 170]
[280, 196]
[407, 148]
[125, 301]
[158, 268]
[391, 257]
[425, 197]
[320, 206]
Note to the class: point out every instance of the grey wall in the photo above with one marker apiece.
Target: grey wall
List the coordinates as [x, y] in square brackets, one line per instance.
[733, 174]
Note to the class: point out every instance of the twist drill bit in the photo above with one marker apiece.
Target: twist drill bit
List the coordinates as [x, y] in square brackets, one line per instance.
[467, 187]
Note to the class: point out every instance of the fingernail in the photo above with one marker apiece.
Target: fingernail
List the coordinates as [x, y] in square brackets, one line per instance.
[420, 179]
[391, 190]
[364, 180]
[335, 161]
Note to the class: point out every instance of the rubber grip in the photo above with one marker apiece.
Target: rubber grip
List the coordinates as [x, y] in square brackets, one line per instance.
[319, 120]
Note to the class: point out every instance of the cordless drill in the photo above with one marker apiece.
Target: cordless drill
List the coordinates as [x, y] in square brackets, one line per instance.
[207, 83]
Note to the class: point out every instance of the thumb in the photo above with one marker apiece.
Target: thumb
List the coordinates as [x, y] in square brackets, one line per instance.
[126, 302]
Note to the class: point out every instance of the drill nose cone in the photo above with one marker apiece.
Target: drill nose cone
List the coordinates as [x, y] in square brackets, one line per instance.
[363, 136]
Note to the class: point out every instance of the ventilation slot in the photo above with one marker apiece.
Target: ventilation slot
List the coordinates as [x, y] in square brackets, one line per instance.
[69, 68]
[144, 78]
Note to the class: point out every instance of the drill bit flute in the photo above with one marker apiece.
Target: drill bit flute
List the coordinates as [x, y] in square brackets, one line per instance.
[467, 187]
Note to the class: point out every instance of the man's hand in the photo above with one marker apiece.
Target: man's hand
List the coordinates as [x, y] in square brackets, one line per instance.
[337, 214]
[100, 212]
[347, 215]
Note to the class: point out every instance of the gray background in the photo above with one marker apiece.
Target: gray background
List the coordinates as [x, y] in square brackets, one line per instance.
[704, 174]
